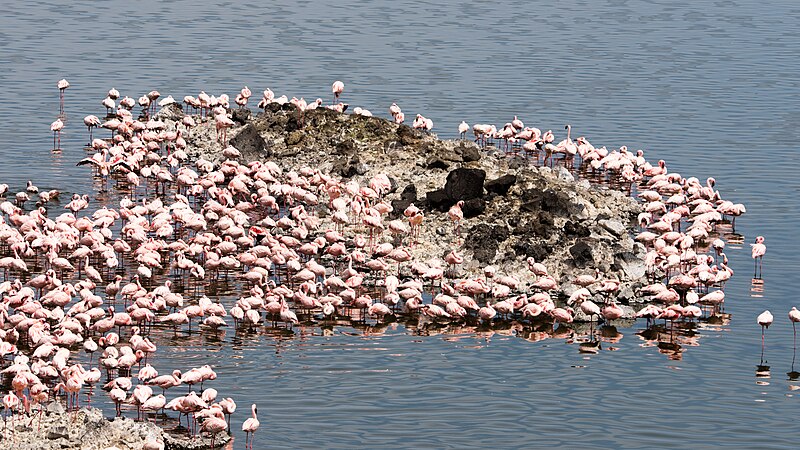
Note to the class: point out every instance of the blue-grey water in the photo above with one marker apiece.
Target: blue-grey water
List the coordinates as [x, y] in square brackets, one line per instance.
[709, 86]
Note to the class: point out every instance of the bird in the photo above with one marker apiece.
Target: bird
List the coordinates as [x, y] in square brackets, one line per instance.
[758, 251]
[765, 320]
[463, 127]
[62, 84]
[91, 121]
[250, 426]
[794, 316]
[337, 88]
[56, 127]
[456, 215]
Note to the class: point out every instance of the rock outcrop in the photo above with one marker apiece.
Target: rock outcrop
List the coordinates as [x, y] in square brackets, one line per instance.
[513, 210]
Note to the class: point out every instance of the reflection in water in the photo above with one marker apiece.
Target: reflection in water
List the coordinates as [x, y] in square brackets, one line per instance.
[762, 371]
[757, 288]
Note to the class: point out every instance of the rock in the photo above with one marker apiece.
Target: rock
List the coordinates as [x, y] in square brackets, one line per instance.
[57, 433]
[85, 428]
[473, 207]
[346, 147]
[407, 197]
[241, 116]
[582, 256]
[632, 266]
[435, 162]
[195, 443]
[563, 174]
[406, 135]
[438, 200]
[173, 112]
[556, 202]
[295, 137]
[464, 184]
[501, 185]
[544, 213]
[483, 239]
[249, 142]
[349, 167]
[470, 152]
[614, 226]
[539, 224]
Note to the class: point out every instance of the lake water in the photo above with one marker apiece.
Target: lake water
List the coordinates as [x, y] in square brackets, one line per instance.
[709, 86]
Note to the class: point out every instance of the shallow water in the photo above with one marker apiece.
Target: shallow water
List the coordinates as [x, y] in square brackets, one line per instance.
[708, 86]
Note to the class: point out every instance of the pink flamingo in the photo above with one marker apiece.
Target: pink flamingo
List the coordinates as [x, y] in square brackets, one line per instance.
[463, 127]
[250, 426]
[456, 216]
[214, 425]
[794, 317]
[337, 88]
[56, 127]
[758, 251]
[91, 121]
[765, 320]
[62, 84]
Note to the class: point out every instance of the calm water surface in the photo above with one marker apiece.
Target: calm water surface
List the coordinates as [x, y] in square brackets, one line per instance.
[711, 87]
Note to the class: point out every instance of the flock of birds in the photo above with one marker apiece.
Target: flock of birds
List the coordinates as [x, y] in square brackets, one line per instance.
[102, 282]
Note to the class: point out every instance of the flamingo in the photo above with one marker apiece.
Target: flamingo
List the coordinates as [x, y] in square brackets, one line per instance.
[337, 88]
[765, 320]
[62, 84]
[56, 127]
[758, 251]
[463, 127]
[250, 426]
[456, 215]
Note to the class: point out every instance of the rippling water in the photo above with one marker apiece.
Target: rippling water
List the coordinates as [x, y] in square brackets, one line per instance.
[711, 87]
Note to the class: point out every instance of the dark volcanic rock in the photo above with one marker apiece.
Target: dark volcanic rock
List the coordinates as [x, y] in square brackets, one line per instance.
[473, 207]
[295, 137]
[407, 197]
[536, 224]
[241, 116]
[249, 142]
[464, 184]
[572, 228]
[483, 239]
[470, 153]
[529, 248]
[438, 200]
[556, 202]
[501, 185]
[349, 167]
[406, 135]
[581, 253]
[436, 163]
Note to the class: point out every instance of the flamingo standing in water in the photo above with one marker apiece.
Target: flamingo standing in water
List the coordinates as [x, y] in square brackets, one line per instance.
[794, 316]
[337, 88]
[765, 320]
[91, 121]
[56, 127]
[63, 84]
[250, 426]
[759, 249]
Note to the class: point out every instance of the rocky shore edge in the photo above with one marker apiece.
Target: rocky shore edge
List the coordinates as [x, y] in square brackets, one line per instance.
[87, 429]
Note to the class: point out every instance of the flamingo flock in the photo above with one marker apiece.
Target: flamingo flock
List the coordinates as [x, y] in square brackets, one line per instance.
[299, 245]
